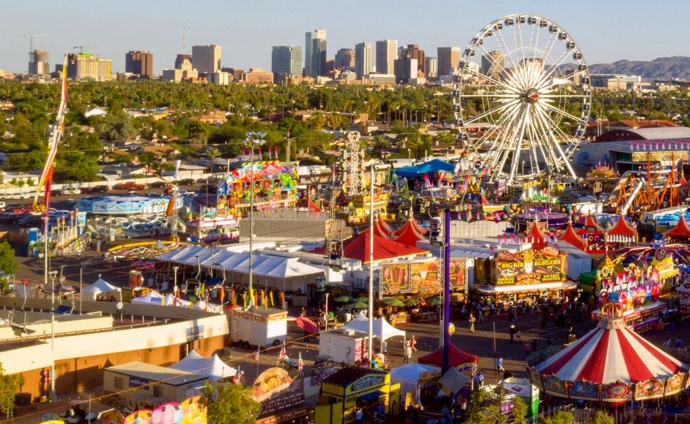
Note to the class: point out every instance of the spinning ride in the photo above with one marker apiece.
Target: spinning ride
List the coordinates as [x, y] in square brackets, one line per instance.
[522, 98]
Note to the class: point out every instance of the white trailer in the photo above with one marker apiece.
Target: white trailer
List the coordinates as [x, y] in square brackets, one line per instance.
[344, 346]
[258, 327]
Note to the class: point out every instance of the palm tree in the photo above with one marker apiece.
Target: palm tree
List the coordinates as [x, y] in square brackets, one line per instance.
[212, 153]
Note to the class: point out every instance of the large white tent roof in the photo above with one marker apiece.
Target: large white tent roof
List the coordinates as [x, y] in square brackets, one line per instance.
[100, 286]
[382, 329]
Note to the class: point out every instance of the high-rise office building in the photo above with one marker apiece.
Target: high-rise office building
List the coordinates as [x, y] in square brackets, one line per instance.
[139, 63]
[206, 59]
[344, 60]
[431, 67]
[448, 58]
[386, 53]
[86, 66]
[38, 62]
[286, 60]
[364, 59]
[406, 69]
[492, 64]
[315, 53]
[413, 52]
[181, 59]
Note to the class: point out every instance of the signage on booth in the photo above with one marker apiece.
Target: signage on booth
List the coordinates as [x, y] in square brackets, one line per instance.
[530, 267]
[195, 333]
[366, 382]
[258, 317]
[138, 382]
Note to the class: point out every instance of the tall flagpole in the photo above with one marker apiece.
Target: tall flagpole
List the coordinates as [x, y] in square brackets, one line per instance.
[371, 263]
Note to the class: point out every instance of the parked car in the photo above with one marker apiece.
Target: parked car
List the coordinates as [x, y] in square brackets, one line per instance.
[130, 185]
[186, 182]
[2, 205]
[208, 189]
[157, 184]
[56, 192]
[100, 189]
[134, 192]
[71, 190]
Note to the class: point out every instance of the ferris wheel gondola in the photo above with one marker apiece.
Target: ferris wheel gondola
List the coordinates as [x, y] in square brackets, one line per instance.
[522, 98]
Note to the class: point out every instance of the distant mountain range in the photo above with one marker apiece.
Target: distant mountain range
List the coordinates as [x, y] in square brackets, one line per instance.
[660, 68]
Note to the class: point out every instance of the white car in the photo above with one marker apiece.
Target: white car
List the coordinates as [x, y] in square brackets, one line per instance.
[3, 205]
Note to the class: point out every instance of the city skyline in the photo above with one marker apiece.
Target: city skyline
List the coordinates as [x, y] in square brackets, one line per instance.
[248, 31]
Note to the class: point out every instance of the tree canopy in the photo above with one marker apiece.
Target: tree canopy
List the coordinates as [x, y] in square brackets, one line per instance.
[230, 403]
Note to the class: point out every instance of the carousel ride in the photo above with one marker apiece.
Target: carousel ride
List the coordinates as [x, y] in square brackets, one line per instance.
[520, 113]
[609, 364]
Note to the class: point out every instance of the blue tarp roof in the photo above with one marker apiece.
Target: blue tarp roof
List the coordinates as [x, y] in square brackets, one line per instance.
[434, 165]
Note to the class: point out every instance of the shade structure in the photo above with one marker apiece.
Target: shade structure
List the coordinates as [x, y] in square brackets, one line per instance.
[307, 325]
[100, 286]
[412, 375]
[394, 302]
[409, 235]
[611, 363]
[681, 232]
[359, 304]
[381, 328]
[343, 299]
[213, 368]
[456, 357]
[453, 379]
[622, 228]
[570, 236]
[432, 166]
[411, 223]
[384, 225]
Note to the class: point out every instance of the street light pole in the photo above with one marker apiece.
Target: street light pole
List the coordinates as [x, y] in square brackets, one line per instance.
[52, 274]
[252, 138]
[175, 268]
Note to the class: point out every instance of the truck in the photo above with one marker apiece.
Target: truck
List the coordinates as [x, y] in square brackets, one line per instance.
[258, 327]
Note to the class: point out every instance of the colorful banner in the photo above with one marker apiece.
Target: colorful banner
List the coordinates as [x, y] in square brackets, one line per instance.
[421, 277]
[531, 267]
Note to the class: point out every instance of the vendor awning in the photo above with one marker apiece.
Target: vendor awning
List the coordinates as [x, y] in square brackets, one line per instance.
[434, 165]
[563, 285]
[371, 396]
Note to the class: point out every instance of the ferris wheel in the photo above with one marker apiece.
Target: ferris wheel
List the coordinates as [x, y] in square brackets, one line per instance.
[522, 98]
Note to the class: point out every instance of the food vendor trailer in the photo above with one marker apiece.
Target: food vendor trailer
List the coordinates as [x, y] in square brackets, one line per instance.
[258, 327]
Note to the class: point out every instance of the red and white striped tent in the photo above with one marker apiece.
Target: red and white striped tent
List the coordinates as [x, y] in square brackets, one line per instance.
[611, 363]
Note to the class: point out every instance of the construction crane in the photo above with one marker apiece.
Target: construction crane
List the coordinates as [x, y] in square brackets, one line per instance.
[81, 48]
[31, 40]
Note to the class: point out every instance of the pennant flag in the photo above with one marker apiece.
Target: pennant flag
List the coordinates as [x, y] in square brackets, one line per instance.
[237, 378]
[300, 363]
[282, 354]
[261, 154]
[244, 157]
[275, 155]
[255, 355]
[270, 153]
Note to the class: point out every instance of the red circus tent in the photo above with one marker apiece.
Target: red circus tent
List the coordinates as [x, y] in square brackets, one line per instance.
[312, 206]
[681, 231]
[456, 357]
[384, 248]
[536, 237]
[380, 231]
[573, 238]
[410, 236]
[622, 228]
[590, 223]
[384, 225]
[611, 355]
[413, 223]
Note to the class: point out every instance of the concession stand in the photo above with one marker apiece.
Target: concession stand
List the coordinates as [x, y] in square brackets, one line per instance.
[348, 389]
[531, 276]
[281, 397]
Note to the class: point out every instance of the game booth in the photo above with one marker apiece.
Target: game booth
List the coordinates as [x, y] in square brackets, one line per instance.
[348, 389]
[414, 379]
[281, 396]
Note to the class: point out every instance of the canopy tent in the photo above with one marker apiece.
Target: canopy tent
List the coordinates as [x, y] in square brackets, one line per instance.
[610, 363]
[289, 270]
[381, 328]
[622, 228]
[454, 380]
[379, 230]
[679, 233]
[307, 325]
[536, 237]
[213, 368]
[384, 225]
[570, 236]
[411, 375]
[150, 298]
[434, 165]
[100, 286]
[358, 248]
[456, 357]
[409, 236]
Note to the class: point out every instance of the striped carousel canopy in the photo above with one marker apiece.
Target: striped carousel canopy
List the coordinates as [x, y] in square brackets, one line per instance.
[611, 362]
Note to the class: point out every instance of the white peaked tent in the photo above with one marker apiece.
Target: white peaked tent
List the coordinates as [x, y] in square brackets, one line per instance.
[100, 286]
[213, 368]
[411, 376]
[382, 329]
[149, 298]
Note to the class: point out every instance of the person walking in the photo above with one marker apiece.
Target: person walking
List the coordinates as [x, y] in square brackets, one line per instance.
[679, 342]
[480, 313]
[413, 343]
[511, 331]
[526, 345]
[668, 342]
[518, 335]
[534, 345]
[499, 365]
[359, 416]
[408, 353]
[472, 321]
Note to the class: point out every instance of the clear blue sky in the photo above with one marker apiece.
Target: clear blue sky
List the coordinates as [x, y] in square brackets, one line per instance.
[606, 31]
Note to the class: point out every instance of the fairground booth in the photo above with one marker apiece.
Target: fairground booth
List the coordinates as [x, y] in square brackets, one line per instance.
[281, 396]
[348, 389]
[415, 379]
[531, 271]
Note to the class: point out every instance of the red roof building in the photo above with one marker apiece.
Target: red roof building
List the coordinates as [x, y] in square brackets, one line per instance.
[409, 236]
[570, 236]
